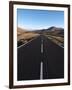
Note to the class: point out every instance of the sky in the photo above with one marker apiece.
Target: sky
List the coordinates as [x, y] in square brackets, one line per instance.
[32, 19]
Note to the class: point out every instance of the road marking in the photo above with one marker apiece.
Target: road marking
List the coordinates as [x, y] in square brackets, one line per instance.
[42, 41]
[27, 42]
[55, 43]
[61, 46]
[41, 46]
[41, 70]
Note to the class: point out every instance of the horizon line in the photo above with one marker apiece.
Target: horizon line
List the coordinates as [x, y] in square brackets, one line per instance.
[38, 28]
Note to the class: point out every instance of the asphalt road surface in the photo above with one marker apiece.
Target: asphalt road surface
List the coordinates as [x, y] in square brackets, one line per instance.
[40, 59]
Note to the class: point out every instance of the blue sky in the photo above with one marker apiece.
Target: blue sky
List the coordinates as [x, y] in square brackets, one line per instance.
[39, 19]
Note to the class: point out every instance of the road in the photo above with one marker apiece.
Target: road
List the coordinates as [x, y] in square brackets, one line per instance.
[40, 59]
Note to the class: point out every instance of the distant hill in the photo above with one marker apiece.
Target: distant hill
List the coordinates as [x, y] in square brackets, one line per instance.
[25, 34]
[51, 30]
[56, 31]
[54, 28]
[21, 31]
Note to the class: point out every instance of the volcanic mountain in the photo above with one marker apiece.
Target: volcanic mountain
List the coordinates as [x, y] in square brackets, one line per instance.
[51, 30]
